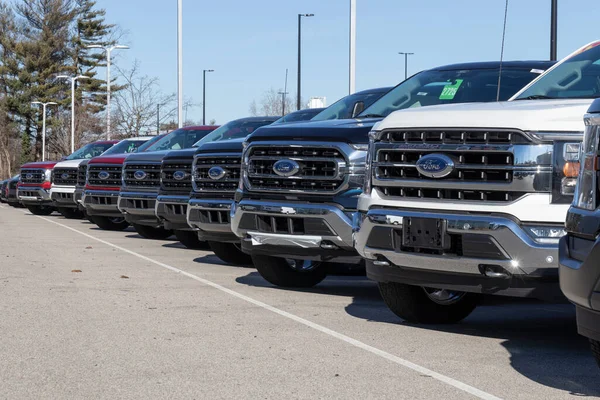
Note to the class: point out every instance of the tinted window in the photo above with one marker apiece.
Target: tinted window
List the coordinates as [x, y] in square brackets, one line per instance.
[342, 109]
[302, 115]
[149, 143]
[89, 151]
[576, 77]
[125, 146]
[233, 130]
[178, 139]
[430, 88]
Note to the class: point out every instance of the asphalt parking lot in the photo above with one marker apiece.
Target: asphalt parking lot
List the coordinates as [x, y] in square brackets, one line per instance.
[87, 313]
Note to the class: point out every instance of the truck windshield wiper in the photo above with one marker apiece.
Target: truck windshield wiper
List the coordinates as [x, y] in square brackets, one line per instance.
[371, 116]
[536, 97]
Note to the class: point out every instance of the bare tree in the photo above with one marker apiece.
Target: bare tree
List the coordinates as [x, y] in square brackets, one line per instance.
[271, 104]
[136, 104]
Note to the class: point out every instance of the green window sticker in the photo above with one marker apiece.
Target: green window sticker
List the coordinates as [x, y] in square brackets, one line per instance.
[450, 90]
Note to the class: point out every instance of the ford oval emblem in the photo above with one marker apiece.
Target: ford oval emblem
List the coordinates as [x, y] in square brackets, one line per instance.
[103, 175]
[139, 175]
[64, 176]
[179, 175]
[286, 167]
[29, 176]
[216, 173]
[435, 166]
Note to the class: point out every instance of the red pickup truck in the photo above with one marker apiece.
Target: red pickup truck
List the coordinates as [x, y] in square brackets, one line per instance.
[34, 187]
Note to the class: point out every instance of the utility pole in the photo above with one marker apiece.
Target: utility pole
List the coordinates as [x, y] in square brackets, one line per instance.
[204, 94]
[73, 79]
[352, 66]
[180, 62]
[299, 94]
[283, 94]
[50, 103]
[406, 63]
[553, 29]
[157, 119]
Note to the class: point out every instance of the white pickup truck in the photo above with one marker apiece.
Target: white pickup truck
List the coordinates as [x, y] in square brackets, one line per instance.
[467, 199]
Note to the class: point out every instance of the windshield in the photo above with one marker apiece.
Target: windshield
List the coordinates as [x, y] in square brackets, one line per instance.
[89, 151]
[578, 77]
[125, 146]
[302, 115]
[233, 130]
[145, 146]
[178, 139]
[342, 109]
[429, 88]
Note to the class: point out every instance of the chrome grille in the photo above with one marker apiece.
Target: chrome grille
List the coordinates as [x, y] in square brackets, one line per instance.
[498, 166]
[168, 180]
[33, 176]
[231, 165]
[64, 176]
[320, 169]
[81, 175]
[151, 180]
[95, 172]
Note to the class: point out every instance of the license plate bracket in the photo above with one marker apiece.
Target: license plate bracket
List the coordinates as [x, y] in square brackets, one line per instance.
[425, 233]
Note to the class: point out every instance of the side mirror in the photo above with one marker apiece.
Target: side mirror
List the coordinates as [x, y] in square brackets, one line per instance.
[359, 106]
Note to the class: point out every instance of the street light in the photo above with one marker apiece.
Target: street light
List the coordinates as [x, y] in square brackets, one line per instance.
[180, 63]
[406, 63]
[73, 80]
[300, 55]
[50, 103]
[204, 94]
[108, 50]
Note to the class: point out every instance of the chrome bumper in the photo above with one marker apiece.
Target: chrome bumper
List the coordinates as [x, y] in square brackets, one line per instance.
[33, 194]
[137, 203]
[337, 222]
[520, 254]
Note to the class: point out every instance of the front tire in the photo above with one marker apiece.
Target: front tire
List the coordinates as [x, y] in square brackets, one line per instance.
[596, 350]
[190, 240]
[70, 213]
[149, 232]
[230, 253]
[110, 224]
[40, 210]
[289, 273]
[427, 306]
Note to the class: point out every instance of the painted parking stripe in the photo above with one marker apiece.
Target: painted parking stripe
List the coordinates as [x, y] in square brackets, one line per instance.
[356, 343]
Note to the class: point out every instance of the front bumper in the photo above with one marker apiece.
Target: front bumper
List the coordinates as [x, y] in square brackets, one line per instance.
[212, 219]
[495, 256]
[78, 198]
[63, 197]
[139, 208]
[319, 232]
[171, 210]
[101, 203]
[33, 195]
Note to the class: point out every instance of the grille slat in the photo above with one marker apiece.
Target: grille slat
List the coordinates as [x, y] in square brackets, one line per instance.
[453, 136]
[168, 181]
[114, 175]
[231, 166]
[319, 169]
[151, 180]
[65, 176]
[37, 176]
[82, 175]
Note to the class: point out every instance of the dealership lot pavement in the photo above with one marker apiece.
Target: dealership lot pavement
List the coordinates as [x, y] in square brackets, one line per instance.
[149, 319]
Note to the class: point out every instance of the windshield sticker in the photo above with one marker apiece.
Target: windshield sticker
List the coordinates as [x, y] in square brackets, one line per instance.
[422, 94]
[450, 90]
[537, 71]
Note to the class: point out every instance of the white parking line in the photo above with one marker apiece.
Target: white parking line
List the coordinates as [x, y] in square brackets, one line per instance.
[356, 343]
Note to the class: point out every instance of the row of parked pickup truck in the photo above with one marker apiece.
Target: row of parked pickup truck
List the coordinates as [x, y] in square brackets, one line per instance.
[453, 184]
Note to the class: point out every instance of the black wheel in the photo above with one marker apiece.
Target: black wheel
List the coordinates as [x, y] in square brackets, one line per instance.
[190, 240]
[231, 253]
[596, 350]
[40, 210]
[152, 233]
[427, 305]
[70, 213]
[290, 273]
[110, 223]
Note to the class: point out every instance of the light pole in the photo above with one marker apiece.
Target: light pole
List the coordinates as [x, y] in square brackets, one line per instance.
[50, 103]
[108, 50]
[204, 94]
[300, 56]
[73, 80]
[406, 63]
[283, 94]
[352, 66]
[180, 63]
[553, 29]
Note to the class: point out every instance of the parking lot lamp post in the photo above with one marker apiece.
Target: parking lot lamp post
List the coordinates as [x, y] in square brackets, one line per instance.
[204, 94]
[406, 63]
[300, 56]
[73, 80]
[50, 103]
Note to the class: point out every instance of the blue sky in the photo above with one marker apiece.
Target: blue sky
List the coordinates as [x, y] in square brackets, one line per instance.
[249, 44]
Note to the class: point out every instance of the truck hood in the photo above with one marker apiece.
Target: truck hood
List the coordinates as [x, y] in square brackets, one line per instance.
[186, 154]
[152, 156]
[340, 130]
[226, 146]
[527, 115]
[110, 159]
[40, 164]
[69, 163]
